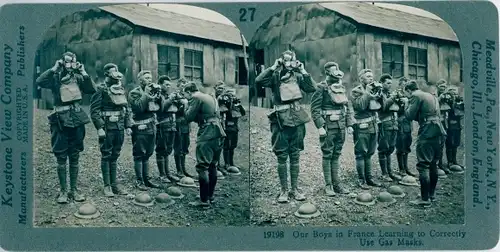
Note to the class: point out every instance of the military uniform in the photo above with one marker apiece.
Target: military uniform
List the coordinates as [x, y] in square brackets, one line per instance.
[387, 134]
[203, 110]
[444, 111]
[424, 108]
[287, 120]
[165, 137]
[143, 134]
[331, 110]
[403, 142]
[365, 134]
[181, 141]
[454, 131]
[67, 125]
[109, 111]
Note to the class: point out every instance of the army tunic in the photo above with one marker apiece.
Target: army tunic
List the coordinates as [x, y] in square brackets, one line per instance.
[323, 108]
[404, 138]
[231, 127]
[454, 129]
[388, 126]
[202, 109]
[365, 127]
[103, 113]
[144, 128]
[166, 128]
[183, 129]
[67, 122]
[289, 118]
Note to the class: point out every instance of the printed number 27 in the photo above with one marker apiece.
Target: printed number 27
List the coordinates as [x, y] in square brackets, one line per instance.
[244, 12]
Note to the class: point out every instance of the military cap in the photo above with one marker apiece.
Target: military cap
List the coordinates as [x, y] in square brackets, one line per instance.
[363, 72]
[337, 73]
[142, 73]
[109, 66]
[330, 64]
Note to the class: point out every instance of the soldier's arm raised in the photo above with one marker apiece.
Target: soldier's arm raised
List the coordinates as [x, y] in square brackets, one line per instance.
[387, 103]
[265, 79]
[360, 99]
[316, 102]
[166, 102]
[307, 84]
[87, 84]
[95, 109]
[192, 109]
[138, 101]
[242, 110]
[412, 108]
[46, 79]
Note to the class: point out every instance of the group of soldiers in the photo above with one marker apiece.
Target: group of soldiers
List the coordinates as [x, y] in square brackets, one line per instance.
[156, 115]
[378, 116]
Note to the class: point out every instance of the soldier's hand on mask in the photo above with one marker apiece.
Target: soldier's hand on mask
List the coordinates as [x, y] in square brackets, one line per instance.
[350, 130]
[404, 100]
[82, 69]
[322, 131]
[58, 65]
[301, 68]
[128, 131]
[276, 64]
[184, 101]
[101, 133]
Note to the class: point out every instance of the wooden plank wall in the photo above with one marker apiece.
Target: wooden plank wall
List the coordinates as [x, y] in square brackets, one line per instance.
[218, 61]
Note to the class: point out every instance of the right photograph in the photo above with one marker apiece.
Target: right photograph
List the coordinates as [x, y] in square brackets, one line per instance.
[356, 117]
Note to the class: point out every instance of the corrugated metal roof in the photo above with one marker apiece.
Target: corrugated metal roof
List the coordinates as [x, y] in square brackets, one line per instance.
[390, 19]
[148, 17]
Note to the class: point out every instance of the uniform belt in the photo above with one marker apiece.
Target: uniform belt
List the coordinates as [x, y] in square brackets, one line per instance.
[111, 113]
[211, 120]
[170, 118]
[67, 107]
[286, 106]
[332, 112]
[145, 121]
[366, 120]
[432, 118]
[389, 118]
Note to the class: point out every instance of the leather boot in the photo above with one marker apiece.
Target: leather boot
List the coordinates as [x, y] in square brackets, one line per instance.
[449, 159]
[183, 165]
[62, 197]
[327, 174]
[106, 178]
[170, 176]
[145, 175]
[454, 155]
[203, 181]
[368, 173]
[225, 154]
[424, 190]
[212, 182]
[139, 182]
[73, 181]
[283, 177]
[231, 157]
[294, 179]
[392, 174]
[405, 163]
[401, 166]
[115, 188]
[160, 162]
[382, 159]
[178, 166]
[222, 167]
[336, 186]
[360, 168]
[433, 179]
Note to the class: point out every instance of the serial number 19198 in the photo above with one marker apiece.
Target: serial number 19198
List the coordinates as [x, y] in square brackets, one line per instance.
[274, 234]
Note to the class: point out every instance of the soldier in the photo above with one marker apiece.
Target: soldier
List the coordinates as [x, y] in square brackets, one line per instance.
[365, 103]
[220, 88]
[181, 139]
[424, 108]
[111, 117]
[454, 130]
[404, 138]
[203, 109]
[231, 110]
[388, 128]
[165, 131]
[287, 77]
[145, 101]
[67, 80]
[331, 113]
[438, 91]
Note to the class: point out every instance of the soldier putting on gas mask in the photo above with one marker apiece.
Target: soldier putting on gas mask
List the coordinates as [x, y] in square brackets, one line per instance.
[111, 117]
[454, 123]
[423, 107]
[287, 78]
[67, 80]
[165, 133]
[439, 90]
[145, 101]
[366, 101]
[332, 114]
[181, 139]
[231, 110]
[203, 109]
[388, 128]
[404, 138]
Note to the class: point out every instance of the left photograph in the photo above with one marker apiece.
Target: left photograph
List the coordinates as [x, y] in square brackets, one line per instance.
[141, 119]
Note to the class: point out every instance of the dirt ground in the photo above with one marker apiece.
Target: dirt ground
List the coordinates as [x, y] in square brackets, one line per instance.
[340, 210]
[232, 193]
